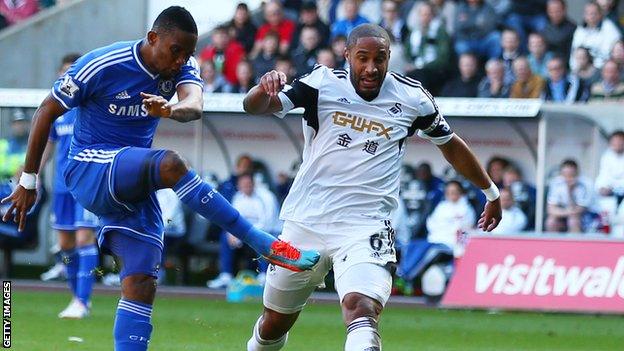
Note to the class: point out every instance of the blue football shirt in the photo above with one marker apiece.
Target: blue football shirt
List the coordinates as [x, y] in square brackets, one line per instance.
[103, 86]
[61, 135]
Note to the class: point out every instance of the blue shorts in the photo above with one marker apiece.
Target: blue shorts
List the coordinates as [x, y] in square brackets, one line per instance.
[69, 215]
[132, 256]
[92, 177]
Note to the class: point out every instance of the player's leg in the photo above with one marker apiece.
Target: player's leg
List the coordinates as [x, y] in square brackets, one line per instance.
[286, 293]
[137, 172]
[364, 289]
[69, 257]
[88, 255]
[363, 281]
[139, 262]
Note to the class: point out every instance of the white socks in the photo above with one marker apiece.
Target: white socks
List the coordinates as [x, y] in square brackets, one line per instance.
[256, 343]
[362, 335]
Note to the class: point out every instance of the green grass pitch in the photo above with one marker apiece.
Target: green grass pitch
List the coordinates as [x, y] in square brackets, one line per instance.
[203, 324]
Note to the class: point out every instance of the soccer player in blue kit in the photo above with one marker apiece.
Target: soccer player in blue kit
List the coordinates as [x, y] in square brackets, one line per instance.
[120, 92]
[74, 224]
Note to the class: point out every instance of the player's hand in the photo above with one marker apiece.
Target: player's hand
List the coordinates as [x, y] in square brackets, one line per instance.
[21, 201]
[272, 82]
[157, 106]
[491, 215]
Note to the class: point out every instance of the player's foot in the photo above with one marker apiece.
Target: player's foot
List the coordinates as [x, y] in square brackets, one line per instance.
[55, 272]
[285, 255]
[75, 310]
[220, 282]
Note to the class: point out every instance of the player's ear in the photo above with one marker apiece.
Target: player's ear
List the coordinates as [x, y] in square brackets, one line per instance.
[346, 53]
[151, 37]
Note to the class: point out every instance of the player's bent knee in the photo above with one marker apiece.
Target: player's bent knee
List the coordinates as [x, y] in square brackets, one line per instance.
[274, 325]
[172, 168]
[84, 237]
[355, 305]
[139, 287]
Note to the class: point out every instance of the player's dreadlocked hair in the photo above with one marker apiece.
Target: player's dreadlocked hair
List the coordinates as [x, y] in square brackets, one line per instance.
[367, 30]
[175, 17]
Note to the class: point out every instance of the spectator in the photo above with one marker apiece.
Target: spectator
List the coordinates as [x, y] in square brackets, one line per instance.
[444, 10]
[392, 21]
[568, 200]
[17, 11]
[244, 78]
[617, 55]
[242, 28]
[308, 16]
[466, 85]
[610, 180]
[433, 185]
[224, 52]
[254, 209]
[559, 30]
[338, 46]
[514, 220]
[326, 57]
[475, 26]
[585, 68]
[494, 85]
[304, 57]
[527, 84]
[610, 11]
[453, 216]
[563, 88]
[275, 22]
[610, 88]
[265, 61]
[527, 16]
[510, 43]
[538, 56]
[13, 149]
[175, 226]
[495, 167]
[597, 33]
[429, 49]
[352, 19]
[284, 64]
[523, 193]
[213, 82]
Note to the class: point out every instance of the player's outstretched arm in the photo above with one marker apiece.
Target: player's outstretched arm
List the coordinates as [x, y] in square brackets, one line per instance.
[459, 155]
[188, 108]
[25, 194]
[263, 99]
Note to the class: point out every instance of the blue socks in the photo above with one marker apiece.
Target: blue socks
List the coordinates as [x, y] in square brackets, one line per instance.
[88, 261]
[200, 197]
[70, 259]
[133, 326]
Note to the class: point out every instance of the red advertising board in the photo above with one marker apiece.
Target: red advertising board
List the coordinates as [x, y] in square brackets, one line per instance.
[556, 274]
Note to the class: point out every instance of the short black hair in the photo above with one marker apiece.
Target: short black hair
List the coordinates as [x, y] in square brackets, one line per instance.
[175, 17]
[569, 163]
[70, 58]
[367, 30]
[617, 133]
[457, 183]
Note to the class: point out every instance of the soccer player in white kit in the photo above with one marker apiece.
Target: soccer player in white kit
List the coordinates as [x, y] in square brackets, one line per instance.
[355, 125]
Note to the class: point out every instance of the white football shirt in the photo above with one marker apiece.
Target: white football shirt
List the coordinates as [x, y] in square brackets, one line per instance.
[354, 148]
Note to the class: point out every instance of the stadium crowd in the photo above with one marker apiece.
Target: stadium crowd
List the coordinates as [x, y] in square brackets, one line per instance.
[472, 48]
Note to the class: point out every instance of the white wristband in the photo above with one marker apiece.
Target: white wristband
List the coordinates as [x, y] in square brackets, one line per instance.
[492, 192]
[28, 180]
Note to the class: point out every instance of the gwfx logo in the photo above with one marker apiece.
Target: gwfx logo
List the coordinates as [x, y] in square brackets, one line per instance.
[361, 124]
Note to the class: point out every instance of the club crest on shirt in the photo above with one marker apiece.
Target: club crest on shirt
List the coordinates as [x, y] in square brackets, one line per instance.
[165, 87]
[396, 110]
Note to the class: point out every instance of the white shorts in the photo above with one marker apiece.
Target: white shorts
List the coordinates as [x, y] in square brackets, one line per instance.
[361, 256]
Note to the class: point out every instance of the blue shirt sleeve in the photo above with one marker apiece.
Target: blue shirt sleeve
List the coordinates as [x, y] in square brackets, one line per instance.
[78, 84]
[189, 74]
